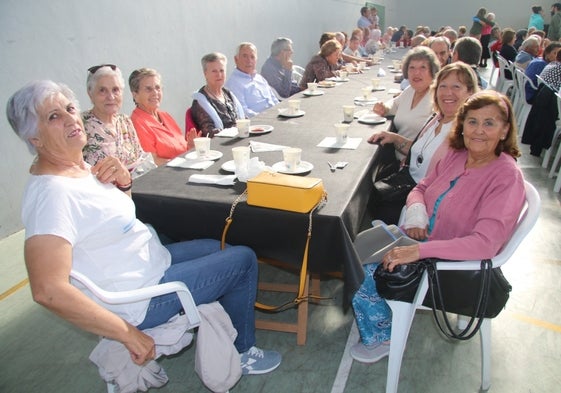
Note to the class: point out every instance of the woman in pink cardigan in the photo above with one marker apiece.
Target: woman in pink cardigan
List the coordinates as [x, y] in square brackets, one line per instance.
[464, 209]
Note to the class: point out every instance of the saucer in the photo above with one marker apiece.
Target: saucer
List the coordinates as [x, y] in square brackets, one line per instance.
[304, 167]
[285, 112]
[326, 83]
[313, 93]
[260, 129]
[371, 118]
[379, 88]
[211, 155]
[229, 166]
[371, 100]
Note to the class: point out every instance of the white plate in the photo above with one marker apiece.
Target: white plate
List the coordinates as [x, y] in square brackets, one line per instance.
[337, 79]
[260, 129]
[211, 155]
[327, 83]
[379, 88]
[371, 118]
[359, 114]
[371, 100]
[285, 112]
[396, 72]
[394, 91]
[304, 167]
[313, 93]
[229, 166]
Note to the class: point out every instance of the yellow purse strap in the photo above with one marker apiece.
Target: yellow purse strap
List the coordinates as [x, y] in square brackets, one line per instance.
[300, 297]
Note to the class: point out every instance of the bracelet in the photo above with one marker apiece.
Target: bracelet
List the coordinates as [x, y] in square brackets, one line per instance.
[124, 187]
[401, 146]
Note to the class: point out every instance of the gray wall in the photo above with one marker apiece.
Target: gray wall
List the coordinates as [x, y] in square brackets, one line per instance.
[60, 39]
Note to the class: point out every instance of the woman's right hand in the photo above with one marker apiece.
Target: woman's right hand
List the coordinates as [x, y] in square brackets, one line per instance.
[141, 346]
[381, 138]
[417, 233]
[379, 109]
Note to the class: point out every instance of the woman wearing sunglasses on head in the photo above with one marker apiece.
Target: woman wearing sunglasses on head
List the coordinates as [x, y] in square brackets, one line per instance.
[109, 132]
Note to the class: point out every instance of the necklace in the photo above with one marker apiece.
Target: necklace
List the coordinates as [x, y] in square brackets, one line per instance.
[420, 157]
[220, 97]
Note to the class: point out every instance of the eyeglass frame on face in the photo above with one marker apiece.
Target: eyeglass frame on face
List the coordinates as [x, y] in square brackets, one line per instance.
[92, 70]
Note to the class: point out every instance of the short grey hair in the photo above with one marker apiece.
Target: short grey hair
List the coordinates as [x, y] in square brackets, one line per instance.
[22, 106]
[212, 57]
[421, 53]
[532, 40]
[137, 75]
[246, 45]
[92, 79]
[279, 45]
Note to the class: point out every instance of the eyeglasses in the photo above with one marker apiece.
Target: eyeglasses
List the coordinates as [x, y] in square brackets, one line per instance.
[94, 69]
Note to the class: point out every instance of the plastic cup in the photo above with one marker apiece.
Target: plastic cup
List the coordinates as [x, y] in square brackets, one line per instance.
[243, 127]
[294, 106]
[312, 86]
[202, 146]
[241, 157]
[362, 65]
[341, 133]
[343, 74]
[375, 83]
[348, 113]
[366, 93]
[292, 157]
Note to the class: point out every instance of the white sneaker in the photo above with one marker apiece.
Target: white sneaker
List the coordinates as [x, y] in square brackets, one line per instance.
[370, 354]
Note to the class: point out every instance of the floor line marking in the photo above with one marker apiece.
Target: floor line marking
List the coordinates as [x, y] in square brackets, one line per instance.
[537, 322]
[346, 362]
[14, 289]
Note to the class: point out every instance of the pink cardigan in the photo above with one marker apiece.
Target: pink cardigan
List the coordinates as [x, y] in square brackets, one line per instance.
[478, 214]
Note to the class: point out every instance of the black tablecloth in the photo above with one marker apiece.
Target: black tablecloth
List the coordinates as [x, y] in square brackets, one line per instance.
[182, 211]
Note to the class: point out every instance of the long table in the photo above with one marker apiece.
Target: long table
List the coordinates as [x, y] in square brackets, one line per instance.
[183, 210]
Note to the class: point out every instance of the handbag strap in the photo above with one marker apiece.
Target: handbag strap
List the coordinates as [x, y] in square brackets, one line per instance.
[480, 309]
[300, 296]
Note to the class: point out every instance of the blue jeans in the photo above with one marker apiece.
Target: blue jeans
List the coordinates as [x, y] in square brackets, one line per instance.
[229, 276]
[372, 313]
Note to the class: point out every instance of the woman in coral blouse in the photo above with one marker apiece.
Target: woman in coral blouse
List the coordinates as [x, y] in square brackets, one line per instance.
[157, 131]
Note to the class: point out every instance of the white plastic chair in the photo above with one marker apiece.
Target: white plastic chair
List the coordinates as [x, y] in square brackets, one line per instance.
[555, 169]
[524, 108]
[297, 73]
[403, 313]
[124, 297]
[504, 84]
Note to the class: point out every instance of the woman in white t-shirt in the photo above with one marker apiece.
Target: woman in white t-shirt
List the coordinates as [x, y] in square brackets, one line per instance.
[82, 218]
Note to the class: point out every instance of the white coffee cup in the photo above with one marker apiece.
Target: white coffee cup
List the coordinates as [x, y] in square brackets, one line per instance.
[292, 157]
[366, 93]
[241, 158]
[343, 74]
[375, 83]
[396, 65]
[243, 127]
[202, 146]
[362, 65]
[312, 86]
[341, 133]
[294, 106]
[348, 113]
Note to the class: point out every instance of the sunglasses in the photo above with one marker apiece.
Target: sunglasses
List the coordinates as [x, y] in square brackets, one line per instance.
[94, 69]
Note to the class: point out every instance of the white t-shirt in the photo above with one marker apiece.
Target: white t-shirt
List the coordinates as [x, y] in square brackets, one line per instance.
[109, 245]
[409, 121]
[427, 145]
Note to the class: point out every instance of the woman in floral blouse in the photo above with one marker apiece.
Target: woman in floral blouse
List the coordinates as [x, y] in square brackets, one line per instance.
[109, 132]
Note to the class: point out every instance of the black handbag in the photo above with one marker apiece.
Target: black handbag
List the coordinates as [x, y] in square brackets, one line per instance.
[475, 293]
[394, 187]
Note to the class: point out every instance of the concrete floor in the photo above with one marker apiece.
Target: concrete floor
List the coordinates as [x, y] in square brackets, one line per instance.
[41, 353]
